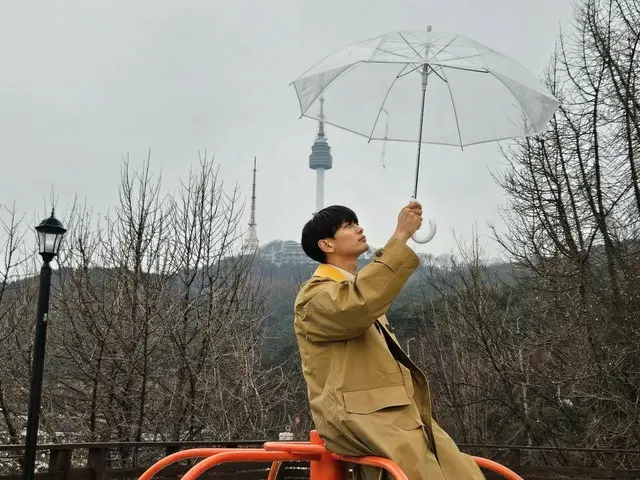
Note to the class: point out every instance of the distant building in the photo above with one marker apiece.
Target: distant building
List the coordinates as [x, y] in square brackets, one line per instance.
[293, 253]
[284, 251]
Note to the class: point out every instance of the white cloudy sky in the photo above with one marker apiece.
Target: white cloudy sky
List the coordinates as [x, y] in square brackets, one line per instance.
[83, 82]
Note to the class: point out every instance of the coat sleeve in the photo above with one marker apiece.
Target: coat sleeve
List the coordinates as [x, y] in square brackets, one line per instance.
[345, 310]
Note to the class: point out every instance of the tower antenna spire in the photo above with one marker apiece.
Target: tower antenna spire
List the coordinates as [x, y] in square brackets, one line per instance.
[321, 118]
[252, 222]
[251, 244]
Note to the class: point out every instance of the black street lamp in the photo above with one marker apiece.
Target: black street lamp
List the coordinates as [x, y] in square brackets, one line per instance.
[50, 233]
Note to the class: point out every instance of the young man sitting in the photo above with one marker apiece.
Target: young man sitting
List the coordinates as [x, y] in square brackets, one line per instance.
[366, 396]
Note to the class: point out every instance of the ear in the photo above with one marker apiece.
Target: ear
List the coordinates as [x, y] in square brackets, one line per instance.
[325, 246]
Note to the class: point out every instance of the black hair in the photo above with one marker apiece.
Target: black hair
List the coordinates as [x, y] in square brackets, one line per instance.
[324, 224]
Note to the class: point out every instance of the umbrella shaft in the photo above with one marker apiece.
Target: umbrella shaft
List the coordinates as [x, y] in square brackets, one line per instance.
[424, 91]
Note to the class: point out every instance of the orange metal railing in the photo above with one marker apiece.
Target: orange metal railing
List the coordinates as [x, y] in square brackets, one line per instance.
[324, 464]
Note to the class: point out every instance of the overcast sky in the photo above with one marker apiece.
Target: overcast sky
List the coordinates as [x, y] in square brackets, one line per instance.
[84, 82]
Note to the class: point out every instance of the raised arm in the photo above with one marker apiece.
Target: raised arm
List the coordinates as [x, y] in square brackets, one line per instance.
[344, 310]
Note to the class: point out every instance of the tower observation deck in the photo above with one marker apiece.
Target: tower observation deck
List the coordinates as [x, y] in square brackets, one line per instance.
[320, 158]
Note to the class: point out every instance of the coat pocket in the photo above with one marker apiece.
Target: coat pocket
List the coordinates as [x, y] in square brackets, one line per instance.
[408, 420]
[374, 399]
[390, 367]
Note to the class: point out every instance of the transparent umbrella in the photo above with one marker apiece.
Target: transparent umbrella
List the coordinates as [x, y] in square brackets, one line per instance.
[433, 87]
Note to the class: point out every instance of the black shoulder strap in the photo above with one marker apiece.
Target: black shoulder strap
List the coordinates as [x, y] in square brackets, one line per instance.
[401, 356]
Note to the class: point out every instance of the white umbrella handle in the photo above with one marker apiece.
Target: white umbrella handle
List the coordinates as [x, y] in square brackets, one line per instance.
[430, 234]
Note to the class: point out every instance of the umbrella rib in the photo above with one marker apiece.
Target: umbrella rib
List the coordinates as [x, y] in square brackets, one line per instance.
[453, 104]
[384, 100]
[410, 71]
[466, 57]
[419, 40]
[355, 132]
[398, 62]
[445, 80]
[452, 40]
[380, 42]
[454, 67]
[401, 140]
[409, 45]
[393, 53]
[411, 34]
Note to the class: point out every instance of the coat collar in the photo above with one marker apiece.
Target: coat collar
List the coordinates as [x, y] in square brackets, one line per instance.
[329, 271]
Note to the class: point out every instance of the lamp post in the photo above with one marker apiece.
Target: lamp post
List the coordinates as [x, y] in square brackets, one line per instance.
[50, 233]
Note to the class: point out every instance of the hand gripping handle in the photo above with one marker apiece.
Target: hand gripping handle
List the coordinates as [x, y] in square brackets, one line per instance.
[430, 234]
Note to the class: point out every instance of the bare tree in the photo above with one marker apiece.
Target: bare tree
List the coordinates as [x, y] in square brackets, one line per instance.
[15, 313]
[113, 301]
[468, 343]
[573, 226]
[159, 320]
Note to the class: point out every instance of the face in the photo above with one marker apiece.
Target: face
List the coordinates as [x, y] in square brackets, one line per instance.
[348, 242]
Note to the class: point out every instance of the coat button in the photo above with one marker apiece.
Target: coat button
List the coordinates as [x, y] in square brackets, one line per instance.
[378, 253]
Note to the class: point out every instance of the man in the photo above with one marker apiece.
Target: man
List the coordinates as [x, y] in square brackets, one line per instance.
[366, 395]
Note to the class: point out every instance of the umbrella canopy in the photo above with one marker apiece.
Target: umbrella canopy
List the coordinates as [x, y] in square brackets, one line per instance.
[474, 94]
[426, 87]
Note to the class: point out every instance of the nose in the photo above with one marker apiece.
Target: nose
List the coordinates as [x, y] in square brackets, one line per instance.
[360, 229]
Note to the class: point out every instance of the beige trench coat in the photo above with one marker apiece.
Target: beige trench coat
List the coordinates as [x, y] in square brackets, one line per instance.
[366, 396]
